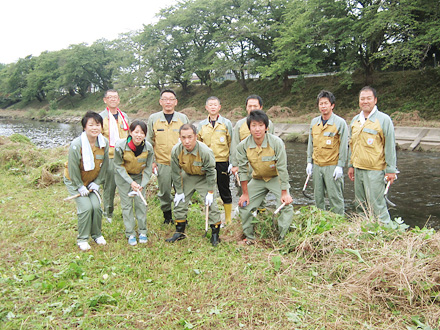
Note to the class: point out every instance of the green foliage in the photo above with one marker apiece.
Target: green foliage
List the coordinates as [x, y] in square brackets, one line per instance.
[18, 138]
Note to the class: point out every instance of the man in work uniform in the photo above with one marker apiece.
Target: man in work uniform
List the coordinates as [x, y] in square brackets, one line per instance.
[265, 153]
[193, 169]
[216, 132]
[116, 126]
[372, 155]
[327, 153]
[163, 134]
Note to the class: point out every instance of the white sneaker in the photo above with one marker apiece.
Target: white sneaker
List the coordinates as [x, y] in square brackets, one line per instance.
[100, 240]
[84, 246]
[132, 240]
[143, 239]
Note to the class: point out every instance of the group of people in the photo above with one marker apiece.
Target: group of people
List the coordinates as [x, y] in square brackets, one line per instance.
[370, 144]
[116, 153]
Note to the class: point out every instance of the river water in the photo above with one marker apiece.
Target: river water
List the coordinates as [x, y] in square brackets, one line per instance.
[416, 193]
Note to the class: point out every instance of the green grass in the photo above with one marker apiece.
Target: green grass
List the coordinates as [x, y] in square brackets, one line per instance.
[330, 273]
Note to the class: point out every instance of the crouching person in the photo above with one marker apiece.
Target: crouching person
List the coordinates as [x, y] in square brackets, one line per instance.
[84, 172]
[266, 154]
[193, 169]
[133, 165]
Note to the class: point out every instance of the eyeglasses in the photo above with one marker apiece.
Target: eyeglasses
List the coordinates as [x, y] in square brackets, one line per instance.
[168, 100]
[112, 97]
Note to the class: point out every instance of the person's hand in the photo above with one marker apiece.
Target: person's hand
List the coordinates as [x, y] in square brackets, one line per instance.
[154, 168]
[234, 170]
[309, 169]
[286, 198]
[390, 177]
[230, 169]
[83, 191]
[93, 186]
[338, 172]
[179, 198]
[351, 173]
[244, 200]
[209, 198]
[136, 186]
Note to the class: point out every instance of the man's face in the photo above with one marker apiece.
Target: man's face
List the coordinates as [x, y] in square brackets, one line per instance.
[257, 129]
[168, 102]
[188, 139]
[112, 100]
[252, 105]
[213, 107]
[325, 106]
[367, 101]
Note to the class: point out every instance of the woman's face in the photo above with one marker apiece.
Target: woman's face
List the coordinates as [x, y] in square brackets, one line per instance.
[138, 135]
[93, 128]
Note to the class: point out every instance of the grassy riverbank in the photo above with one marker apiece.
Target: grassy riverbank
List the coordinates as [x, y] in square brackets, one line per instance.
[330, 273]
[408, 96]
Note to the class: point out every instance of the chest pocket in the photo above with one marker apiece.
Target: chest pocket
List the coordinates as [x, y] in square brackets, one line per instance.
[370, 137]
[268, 166]
[329, 140]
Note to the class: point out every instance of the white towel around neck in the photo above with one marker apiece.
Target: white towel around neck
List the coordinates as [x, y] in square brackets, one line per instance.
[87, 153]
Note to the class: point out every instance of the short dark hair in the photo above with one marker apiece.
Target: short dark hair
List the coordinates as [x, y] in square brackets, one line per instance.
[368, 88]
[168, 91]
[257, 97]
[185, 127]
[258, 116]
[326, 94]
[212, 98]
[91, 114]
[111, 91]
[140, 123]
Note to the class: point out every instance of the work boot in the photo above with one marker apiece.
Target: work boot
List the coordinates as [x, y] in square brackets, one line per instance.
[228, 212]
[168, 217]
[215, 236]
[179, 234]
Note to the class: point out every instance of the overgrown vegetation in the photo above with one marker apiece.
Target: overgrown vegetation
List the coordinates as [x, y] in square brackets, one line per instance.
[330, 273]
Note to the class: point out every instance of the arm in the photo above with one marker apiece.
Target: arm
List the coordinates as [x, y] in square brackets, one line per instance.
[235, 140]
[118, 161]
[73, 166]
[310, 146]
[281, 156]
[243, 162]
[390, 149]
[175, 169]
[209, 168]
[146, 173]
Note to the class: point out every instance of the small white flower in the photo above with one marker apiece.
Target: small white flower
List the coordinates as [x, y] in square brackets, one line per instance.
[105, 276]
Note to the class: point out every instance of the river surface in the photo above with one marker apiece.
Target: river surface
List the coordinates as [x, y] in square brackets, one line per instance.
[416, 193]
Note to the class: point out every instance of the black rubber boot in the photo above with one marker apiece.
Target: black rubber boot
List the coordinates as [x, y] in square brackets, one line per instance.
[215, 235]
[168, 217]
[179, 234]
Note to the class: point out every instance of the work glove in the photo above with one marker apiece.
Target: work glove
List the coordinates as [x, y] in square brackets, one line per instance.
[133, 193]
[155, 171]
[93, 186]
[230, 169]
[337, 174]
[179, 198]
[209, 198]
[309, 169]
[83, 191]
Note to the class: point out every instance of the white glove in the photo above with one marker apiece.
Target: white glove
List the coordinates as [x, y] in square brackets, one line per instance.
[230, 169]
[309, 169]
[179, 198]
[155, 171]
[83, 191]
[133, 193]
[93, 186]
[337, 174]
[209, 198]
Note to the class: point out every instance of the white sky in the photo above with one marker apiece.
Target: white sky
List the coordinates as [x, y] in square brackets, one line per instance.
[33, 26]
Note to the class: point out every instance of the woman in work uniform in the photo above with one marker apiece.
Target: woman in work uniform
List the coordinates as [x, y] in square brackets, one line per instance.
[84, 172]
[133, 162]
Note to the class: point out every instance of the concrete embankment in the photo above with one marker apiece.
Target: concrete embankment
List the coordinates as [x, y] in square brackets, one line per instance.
[408, 138]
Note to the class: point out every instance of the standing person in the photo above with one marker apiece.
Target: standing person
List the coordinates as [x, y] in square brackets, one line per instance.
[372, 154]
[115, 127]
[216, 132]
[327, 153]
[265, 153]
[133, 161]
[163, 134]
[84, 172]
[193, 169]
